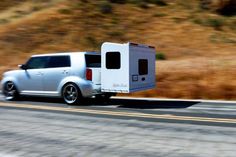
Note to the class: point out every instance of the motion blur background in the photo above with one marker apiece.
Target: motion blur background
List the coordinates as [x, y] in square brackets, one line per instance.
[195, 40]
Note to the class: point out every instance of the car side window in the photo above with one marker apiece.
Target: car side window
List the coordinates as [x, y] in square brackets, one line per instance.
[59, 61]
[37, 62]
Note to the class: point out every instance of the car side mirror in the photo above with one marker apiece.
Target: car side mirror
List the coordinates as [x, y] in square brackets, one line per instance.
[23, 67]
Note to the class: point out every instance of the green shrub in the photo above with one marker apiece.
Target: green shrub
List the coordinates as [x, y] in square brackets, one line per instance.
[135, 1]
[215, 23]
[178, 19]
[65, 11]
[185, 4]
[77, 5]
[159, 2]
[221, 38]
[115, 20]
[198, 21]
[106, 7]
[3, 21]
[116, 34]
[16, 16]
[143, 5]
[140, 3]
[160, 56]
[20, 12]
[36, 8]
[159, 14]
[118, 1]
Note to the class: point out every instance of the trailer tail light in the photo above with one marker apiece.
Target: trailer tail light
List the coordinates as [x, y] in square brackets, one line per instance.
[89, 74]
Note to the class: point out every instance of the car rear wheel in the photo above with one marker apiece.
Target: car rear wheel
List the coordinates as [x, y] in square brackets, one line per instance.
[10, 91]
[71, 94]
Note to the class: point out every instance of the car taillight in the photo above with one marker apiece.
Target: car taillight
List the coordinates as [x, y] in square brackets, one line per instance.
[89, 74]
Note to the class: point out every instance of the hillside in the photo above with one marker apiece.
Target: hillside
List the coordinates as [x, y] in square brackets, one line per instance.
[199, 45]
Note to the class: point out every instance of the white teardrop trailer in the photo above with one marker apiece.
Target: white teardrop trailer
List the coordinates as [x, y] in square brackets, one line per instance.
[119, 68]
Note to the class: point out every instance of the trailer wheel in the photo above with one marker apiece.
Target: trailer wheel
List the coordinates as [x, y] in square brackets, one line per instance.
[104, 97]
[71, 94]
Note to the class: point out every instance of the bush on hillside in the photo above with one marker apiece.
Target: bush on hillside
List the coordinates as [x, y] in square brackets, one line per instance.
[118, 1]
[65, 11]
[146, 2]
[159, 2]
[143, 5]
[160, 56]
[216, 23]
[140, 3]
[106, 7]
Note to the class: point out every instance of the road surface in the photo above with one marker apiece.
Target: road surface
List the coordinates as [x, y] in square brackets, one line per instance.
[121, 127]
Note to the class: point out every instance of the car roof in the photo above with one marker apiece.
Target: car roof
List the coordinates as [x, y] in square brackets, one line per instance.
[65, 53]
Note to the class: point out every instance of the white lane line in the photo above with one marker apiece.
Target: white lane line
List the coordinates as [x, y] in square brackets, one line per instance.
[213, 109]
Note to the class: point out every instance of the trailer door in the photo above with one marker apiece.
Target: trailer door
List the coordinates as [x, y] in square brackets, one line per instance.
[115, 68]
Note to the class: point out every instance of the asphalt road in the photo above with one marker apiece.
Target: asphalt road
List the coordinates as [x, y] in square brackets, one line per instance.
[120, 127]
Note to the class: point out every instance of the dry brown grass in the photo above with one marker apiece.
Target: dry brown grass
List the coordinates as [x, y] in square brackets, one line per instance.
[200, 78]
[201, 58]
[5, 4]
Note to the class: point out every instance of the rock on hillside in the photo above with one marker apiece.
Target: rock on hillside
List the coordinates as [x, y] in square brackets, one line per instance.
[222, 6]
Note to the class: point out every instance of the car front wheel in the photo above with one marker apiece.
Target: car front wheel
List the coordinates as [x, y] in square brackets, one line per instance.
[10, 91]
[71, 94]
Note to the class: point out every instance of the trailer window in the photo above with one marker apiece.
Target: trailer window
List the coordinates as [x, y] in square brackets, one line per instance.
[143, 66]
[93, 61]
[113, 60]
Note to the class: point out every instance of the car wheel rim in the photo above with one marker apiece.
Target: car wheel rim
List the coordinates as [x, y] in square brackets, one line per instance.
[70, 94]
[10, 90]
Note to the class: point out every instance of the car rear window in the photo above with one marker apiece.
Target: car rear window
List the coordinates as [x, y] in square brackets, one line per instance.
[93, 61]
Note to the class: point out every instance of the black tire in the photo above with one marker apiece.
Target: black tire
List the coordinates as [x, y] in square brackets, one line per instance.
[71, 94]
[104, 97]
[10, 91]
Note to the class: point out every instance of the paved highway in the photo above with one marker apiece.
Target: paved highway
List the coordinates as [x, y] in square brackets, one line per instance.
[121, 127]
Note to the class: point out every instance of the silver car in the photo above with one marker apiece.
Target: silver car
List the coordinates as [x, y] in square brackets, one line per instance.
[71, 76]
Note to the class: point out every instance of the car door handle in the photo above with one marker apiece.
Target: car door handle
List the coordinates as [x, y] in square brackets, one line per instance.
[65, 72]
[39, 74]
